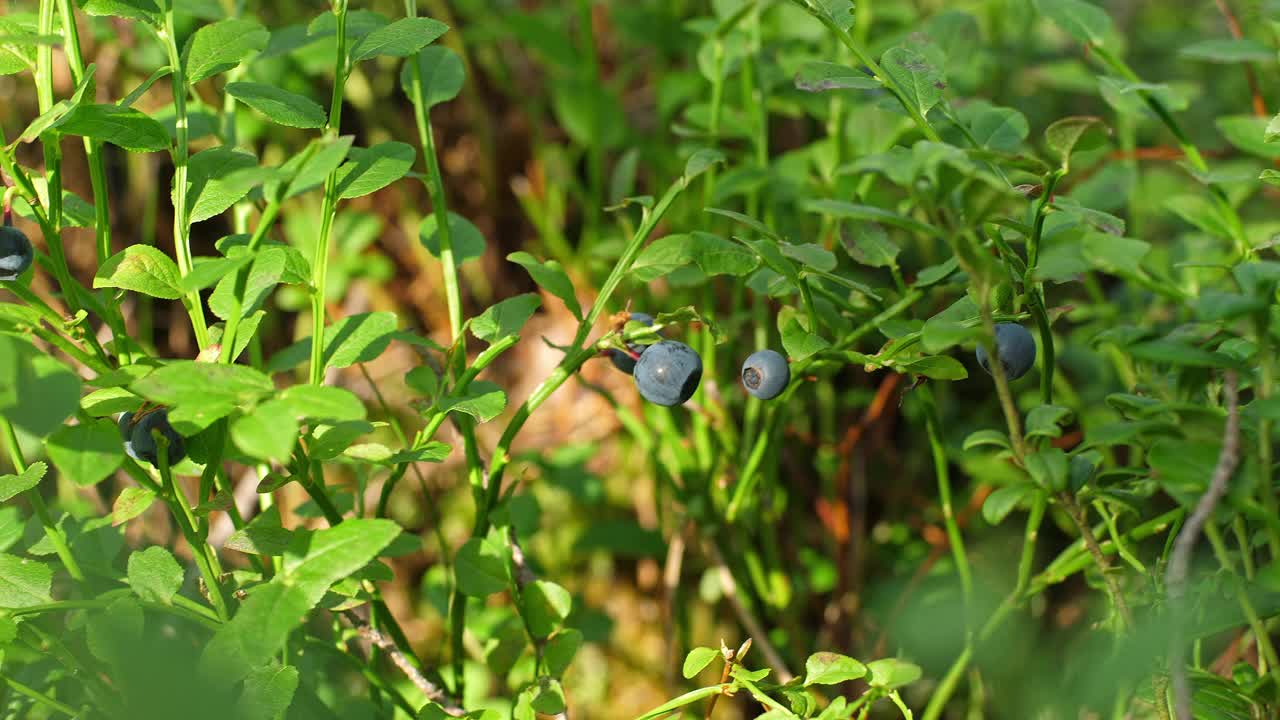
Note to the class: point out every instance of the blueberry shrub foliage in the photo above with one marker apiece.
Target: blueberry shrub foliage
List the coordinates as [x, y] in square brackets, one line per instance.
[936, 335]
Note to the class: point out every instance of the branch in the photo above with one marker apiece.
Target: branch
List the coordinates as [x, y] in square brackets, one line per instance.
[387, 645]
[1184, 545]
[748, 618]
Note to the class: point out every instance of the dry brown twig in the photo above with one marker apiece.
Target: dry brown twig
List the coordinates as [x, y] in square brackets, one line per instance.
[748, 618]
[1184, 545]
[376, 638]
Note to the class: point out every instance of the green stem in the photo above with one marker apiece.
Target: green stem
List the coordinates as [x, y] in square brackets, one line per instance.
[206, 562]
[865, 58]
[954, 537]
[33, 495]
[1260, 633]
[320, 263]
[40, 697]
[181, 214]
[1189, 149]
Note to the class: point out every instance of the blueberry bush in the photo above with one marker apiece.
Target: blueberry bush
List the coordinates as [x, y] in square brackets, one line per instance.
[325, 390]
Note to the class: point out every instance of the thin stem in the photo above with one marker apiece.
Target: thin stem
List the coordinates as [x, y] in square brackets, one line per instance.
[1079, 516]
[876, 70]
[40, 697]
[181, 214]
[1184, 545]
[51, 529]
[206, 562]
[954, 537]
[320, 263]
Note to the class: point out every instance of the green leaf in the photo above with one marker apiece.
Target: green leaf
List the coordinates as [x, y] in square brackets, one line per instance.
[1084, 21]
[1047, 421]
[1117, 255]
[1000, 503]
[549, 276]
[839, 11]
[829, 668]
[401, 38]
[279, 106]
[308, 173]
[822, 76]
[144, 86]
[852, 211]
[141, 269]
[981, 438]
[222, 46]
[549, 697]
[998, 128]
[268, 432]
[590, 113]
[1175, 352]
[891, 673]
[1202, 213]
[220, 177]
[86, 453]
[544, 606]
[353, 339]
[37, 392]
[269, 267]
[918, 81]
[154, 574]
[186, 382]
[798, 341]
[208, 271]
[712, 254]
[505, 319]
[330, 440]
[1250, 134]
[697, 660]
[867, 243]
[264, 535]
[482, 400]
[125, 127]
[12, 486]
[1229, 50]
[560, 649]
[132, 502]
[701, 161]
[1063, 135]
[1048, 468]
[145, 10]
[481, 568]
[23, 582]
[442, 74]
[268, 692]
[938, 367]
[323, 403]
[316, 560]
[465, 238]
[370, 169]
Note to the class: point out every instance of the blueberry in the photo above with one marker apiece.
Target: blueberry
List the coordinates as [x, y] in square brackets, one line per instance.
[144, 444]
[620, 359]
[16, 253]
[765, 374]
[1016, 349]
[668, 373]
[125, 423]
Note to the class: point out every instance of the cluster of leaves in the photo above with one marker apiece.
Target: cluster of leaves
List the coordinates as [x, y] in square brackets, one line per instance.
[891, 243]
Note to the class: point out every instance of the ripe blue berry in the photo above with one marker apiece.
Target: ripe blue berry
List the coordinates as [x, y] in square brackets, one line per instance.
[1016, 349]
[16, 253]
[668, 373]
[144, 444]
[765, 374]
[623, 361]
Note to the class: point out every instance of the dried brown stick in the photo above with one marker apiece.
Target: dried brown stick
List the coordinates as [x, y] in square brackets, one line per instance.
[1185, 543]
